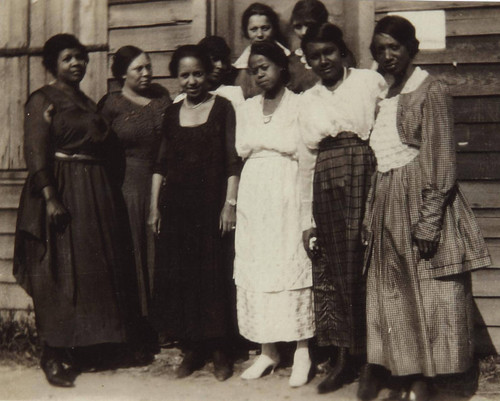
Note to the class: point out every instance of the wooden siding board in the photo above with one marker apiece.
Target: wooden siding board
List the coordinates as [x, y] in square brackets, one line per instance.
[482, 194]
[469, 79]
[17, 96]
[473, 21]
[486, 282]
[391, 5]
[6, 272]
[14, 297]
[477, 137]
[150, 13]
[474, 166]
[13, 23]
[487, 340]
[8, 219]
[4, 113]
[151, 38]
[488, 312]
[6, 246]
[476, 109]
[494, 249]
[92, 24]
[10, 195]
[94, 83]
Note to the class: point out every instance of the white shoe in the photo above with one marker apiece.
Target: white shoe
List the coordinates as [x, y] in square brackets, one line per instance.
[300, 369]
[259, 367]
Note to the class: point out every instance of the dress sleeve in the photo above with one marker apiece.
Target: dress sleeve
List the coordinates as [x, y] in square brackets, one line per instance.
[307, 165]
[233, 162]
[37, 146]
[437, 160]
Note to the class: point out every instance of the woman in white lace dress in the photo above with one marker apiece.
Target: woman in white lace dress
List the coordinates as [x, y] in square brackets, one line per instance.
[272, 270]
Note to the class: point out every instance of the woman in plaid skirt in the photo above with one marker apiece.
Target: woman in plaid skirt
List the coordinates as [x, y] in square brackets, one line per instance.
[336, 117]
[424, 237]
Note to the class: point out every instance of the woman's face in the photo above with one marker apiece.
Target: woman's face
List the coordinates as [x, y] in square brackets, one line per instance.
[300, 27]
[267, 73]
[259, 28]
[71, 66]
[219, 71]
[391, 55]
[325, 60]
[139, 74]
[192, 78]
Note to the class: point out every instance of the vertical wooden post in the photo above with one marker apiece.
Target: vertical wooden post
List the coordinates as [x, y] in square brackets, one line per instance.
[224, 25]
[359, 21]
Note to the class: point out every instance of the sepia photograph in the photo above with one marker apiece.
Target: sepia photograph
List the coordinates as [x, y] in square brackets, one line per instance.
[239, 200]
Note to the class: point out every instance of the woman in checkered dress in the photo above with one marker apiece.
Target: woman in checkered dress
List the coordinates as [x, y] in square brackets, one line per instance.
[424, 238]
[337, 115]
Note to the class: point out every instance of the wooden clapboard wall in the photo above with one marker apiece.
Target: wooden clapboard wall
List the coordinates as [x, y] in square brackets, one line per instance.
[24, 27]
[470, 64]
[157, 27]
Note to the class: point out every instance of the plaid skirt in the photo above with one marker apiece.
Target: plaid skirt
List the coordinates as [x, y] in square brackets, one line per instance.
[341, 182]
[416, 324]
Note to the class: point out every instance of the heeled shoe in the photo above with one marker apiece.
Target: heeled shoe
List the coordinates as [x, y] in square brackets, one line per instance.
[56, 374]
[300, 369]
[192, 361]
[223, 366]
[338, 376]
[260, 367]
[369, 383]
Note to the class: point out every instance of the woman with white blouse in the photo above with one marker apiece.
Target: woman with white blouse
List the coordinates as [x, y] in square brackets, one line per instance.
[336, 118]
[272, 271]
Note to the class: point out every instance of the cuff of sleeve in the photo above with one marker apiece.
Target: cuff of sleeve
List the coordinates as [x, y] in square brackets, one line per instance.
[427, 231]
[41, 179]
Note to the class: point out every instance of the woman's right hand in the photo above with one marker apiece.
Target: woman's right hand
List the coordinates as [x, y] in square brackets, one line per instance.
[58, 215]
[154, 220]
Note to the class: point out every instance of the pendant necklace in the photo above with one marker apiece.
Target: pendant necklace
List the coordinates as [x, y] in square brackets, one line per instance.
[267, 118]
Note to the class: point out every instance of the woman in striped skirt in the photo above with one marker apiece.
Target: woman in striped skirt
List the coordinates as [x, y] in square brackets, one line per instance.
[425, 239]
[336, 118]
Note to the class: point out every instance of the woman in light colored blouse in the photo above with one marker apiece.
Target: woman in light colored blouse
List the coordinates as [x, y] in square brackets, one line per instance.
[336, 165]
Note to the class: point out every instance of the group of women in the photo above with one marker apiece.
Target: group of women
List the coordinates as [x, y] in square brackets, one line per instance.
[323, 206]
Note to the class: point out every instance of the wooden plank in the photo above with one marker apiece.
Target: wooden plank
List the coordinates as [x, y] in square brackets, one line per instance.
[14, 23]
[14, 297]
[476, 109]
[487, 340]
[486, 282]
[159, 38]
[477, 137]
[463, 49]
[8, 219]
[17, 95]
[4, 113]
[391, 5]
[473, 21]
[490, 226]
[488, 311]
[10, 195]
[469, 79]
[159, 61]
[150, 13]
[482, 194]
[92, 24]
[477, 166]
[94, 83]
[199, 27]
[6, 272]
[38, 76]
[6, 246]
[494, 249]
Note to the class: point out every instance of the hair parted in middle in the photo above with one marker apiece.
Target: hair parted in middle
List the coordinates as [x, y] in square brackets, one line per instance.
[195, 51]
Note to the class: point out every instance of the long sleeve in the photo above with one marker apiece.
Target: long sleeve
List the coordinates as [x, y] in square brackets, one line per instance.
[307, 165]
[38, 114]
[233, 162]
[437, 160]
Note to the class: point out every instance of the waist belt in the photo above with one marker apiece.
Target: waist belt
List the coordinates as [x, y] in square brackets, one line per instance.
[76, 157]
[342, 140]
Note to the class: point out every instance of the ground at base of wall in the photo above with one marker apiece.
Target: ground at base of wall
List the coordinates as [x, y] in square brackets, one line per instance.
[157, 382]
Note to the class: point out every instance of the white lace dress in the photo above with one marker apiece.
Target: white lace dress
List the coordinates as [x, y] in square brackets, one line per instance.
[271, 270]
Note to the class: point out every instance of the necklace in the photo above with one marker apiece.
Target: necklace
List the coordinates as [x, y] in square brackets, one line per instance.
[266, 118]
[207, 98]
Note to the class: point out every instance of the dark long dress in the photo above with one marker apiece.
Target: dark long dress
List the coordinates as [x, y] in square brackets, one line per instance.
[193, 279]
[80, 278]
[138, 130]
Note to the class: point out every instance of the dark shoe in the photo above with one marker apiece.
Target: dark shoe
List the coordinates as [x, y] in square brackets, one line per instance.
[369, 383]
[223, 368]
[57, 374]
[191, 362]
[339, 375]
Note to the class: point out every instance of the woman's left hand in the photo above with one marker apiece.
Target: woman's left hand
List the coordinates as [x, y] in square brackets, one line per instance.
[227, 221]
[426, 248]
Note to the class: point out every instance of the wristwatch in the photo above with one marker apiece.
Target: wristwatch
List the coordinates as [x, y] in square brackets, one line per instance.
[231, 202]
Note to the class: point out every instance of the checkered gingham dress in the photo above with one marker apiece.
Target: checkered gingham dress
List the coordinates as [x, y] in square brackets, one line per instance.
[344, 166]
[420, 312]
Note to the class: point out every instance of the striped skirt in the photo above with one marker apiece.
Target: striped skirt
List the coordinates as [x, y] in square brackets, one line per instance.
[341, 182]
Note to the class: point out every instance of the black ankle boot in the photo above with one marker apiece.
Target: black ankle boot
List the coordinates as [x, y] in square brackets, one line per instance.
[339, 375]
[52, 365]
[370, 382]
[193, 360]
[223, 367]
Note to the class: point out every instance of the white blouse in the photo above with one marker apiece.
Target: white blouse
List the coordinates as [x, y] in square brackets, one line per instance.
[385, 141]
[323, 113]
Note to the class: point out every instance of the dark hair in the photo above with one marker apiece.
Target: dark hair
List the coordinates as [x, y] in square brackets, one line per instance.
[195, 51]
[122, 59]
[262, 9]
[216, 47]
[309, 11]
[400, 29]
[275, 53]
[325, 32]
[55, 45]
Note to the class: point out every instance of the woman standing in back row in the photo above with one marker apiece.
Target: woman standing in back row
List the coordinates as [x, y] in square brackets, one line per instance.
[424, 237]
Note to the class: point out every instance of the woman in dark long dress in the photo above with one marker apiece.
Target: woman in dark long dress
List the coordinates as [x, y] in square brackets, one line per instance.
[71, 253]
[135, 115]
[193, 214]
[424, 237]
